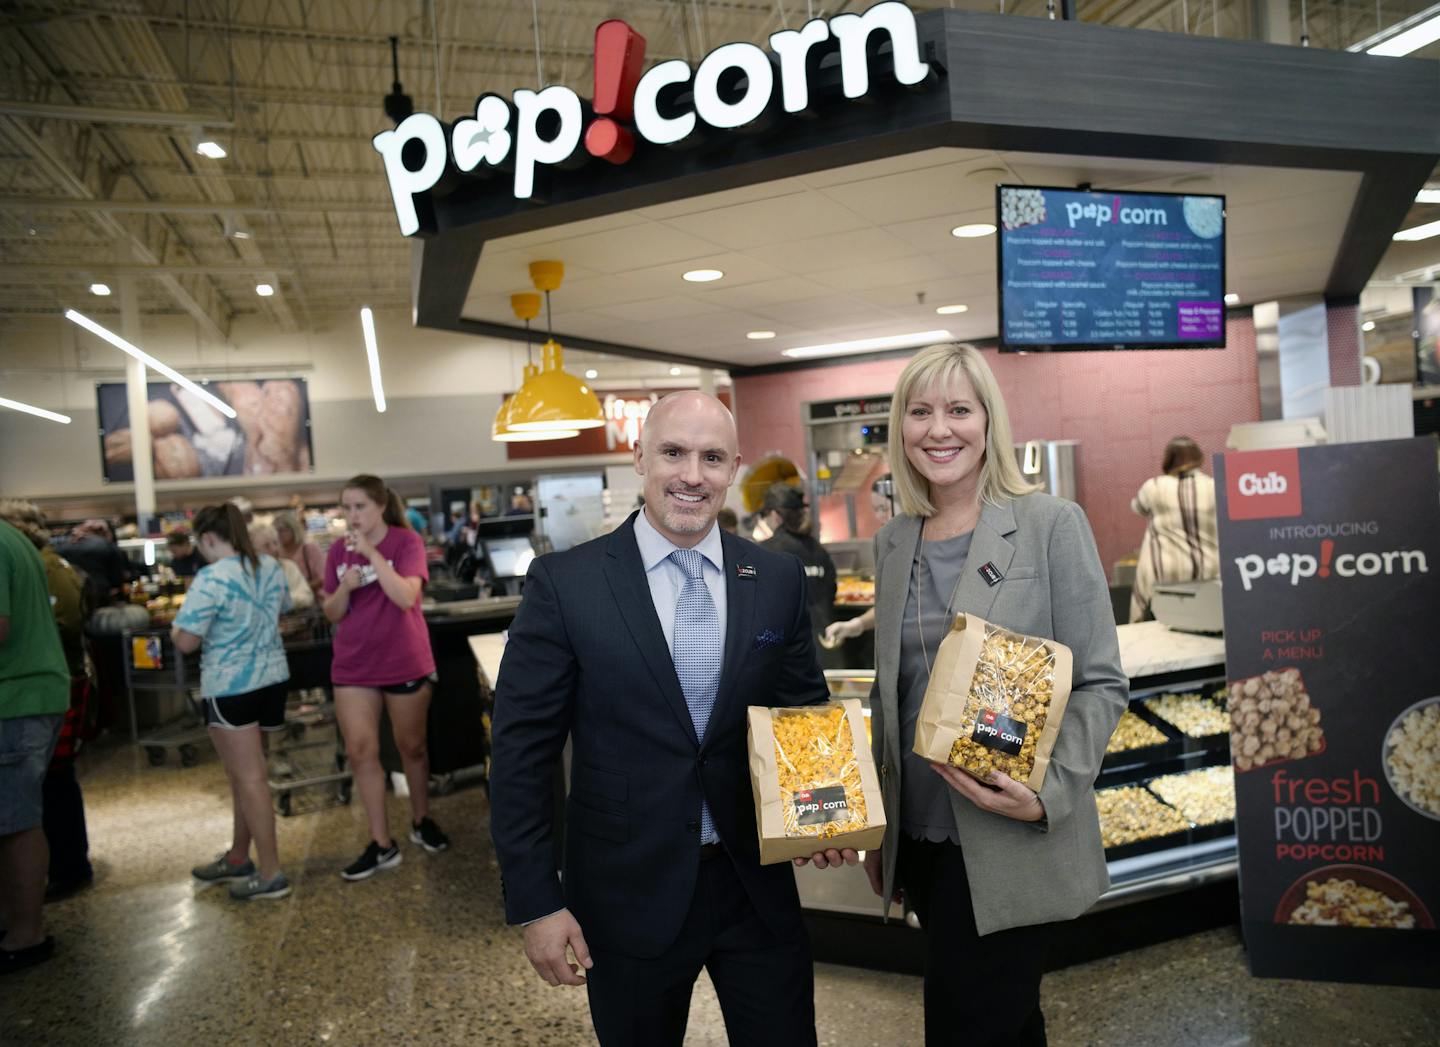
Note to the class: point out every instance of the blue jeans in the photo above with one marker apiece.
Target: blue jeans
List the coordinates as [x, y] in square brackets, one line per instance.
[26, 743]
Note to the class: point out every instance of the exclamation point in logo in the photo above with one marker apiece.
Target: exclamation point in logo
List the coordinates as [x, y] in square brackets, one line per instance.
[1327, 550]
[619, 53]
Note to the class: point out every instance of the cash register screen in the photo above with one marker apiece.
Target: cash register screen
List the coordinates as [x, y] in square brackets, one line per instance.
[509, 557]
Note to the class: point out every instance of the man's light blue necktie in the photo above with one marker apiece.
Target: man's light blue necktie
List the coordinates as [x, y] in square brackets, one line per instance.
[698, 654]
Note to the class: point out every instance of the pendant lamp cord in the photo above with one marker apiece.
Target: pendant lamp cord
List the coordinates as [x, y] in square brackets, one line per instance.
[549, 322]
[1304, 25]
[535, 14]
[435, 36]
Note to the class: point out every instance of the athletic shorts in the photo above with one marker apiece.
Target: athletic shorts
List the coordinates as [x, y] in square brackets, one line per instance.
[408, 687]
[265, 707]
[26, 743]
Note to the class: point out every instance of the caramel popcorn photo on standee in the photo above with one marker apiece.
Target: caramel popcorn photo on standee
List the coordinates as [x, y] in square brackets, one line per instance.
[819, 775]
[1007, 706]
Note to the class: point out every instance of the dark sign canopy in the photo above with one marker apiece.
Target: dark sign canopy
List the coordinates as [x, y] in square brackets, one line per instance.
[992, 83]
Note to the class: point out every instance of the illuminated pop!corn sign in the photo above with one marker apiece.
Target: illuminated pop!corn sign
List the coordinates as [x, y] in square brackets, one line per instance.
[734, 86]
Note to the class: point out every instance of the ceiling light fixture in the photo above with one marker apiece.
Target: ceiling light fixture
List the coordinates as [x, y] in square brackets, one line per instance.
[1428, 196]
[206, 145]
[552, 401]
[1232, 299]
[973, 230]
[38, 412]
[102, 290]
[1420, 232]
[236, 229]
[951, 310]
[592, 374]
[675, 372]
[81, 320]
[265, 290]
[1368, 325]
[372, 354]
[702, 276]
[759, 336]
[862, 345]
[1404, 37]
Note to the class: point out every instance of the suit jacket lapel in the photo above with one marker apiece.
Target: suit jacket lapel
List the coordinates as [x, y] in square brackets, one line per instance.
[739, 622]
[890, 601]
[990, 545]
[626, 574]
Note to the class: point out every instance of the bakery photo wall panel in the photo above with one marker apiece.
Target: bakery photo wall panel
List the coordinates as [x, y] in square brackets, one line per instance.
[269, 434]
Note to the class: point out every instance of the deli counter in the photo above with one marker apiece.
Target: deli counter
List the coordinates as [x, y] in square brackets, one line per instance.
[1166, 791]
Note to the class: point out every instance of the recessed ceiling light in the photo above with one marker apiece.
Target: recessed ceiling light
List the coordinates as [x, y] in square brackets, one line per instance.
[1368, 325]
[703, 276]
[759, 336]
[264, 290]
[974, 229]
[591, 374]
[1232, 299]
[101, 289]
[1420, 232]
[861, 345]
[674, 371]
[951, 310]
[211, 149]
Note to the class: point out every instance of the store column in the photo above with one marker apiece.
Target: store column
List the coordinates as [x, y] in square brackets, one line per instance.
[138, 403]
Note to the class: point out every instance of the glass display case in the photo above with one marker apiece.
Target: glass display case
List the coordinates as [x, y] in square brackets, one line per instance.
[1166, 789]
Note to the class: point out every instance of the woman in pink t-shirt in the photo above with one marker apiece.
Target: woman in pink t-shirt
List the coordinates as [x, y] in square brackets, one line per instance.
[382, 659]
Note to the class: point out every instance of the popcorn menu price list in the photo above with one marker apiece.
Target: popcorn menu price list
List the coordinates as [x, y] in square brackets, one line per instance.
[1071, 320]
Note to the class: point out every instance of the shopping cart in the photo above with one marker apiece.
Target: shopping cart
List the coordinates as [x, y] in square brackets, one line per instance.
[307, 770]
[154, 666]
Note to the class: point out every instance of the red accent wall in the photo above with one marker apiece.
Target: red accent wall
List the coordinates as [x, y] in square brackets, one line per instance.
[1342, 324]
[1123, 407]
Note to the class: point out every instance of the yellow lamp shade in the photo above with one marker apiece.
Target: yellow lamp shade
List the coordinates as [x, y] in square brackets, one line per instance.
[554, 399]
[500, 429]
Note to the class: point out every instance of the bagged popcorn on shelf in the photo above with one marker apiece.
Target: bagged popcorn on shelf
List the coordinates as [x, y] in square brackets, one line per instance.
[814, 780]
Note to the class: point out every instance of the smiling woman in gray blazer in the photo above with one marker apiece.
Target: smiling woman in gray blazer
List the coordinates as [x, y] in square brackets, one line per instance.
[989, 869]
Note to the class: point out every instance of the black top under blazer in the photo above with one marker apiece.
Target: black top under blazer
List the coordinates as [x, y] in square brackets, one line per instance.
[587, 659]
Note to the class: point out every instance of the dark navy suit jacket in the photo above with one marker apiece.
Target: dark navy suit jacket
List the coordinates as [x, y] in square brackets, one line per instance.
[586, 659]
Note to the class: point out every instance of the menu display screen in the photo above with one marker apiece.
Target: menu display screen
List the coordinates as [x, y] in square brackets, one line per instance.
[1110, 270]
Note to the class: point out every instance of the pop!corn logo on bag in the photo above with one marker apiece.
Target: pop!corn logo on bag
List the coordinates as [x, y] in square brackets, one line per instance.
[994, 702]
[815, 788]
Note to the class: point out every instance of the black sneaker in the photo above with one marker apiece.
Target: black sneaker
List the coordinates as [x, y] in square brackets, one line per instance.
[375, 857]
[428, 835]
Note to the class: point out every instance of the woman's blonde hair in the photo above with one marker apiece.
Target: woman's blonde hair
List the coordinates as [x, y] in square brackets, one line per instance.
[26, 518]
[941, 367]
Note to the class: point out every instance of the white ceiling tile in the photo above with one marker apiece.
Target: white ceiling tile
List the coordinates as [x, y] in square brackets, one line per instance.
[651, 309]
[932, 192]
[891, 165]
[770, 221]
[800, 256]
[724, 198]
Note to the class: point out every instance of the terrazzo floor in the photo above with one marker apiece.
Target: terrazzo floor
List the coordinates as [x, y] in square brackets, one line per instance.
[421, 954]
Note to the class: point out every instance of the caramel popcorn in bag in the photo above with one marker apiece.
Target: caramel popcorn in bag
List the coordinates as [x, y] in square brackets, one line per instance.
[815, 788]
[994, 702]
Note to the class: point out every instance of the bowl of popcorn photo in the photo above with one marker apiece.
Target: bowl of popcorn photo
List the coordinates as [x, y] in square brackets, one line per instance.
[1352, 896]
[1410, 755]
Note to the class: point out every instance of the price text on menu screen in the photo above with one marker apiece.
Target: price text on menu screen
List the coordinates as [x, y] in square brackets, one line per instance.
[1101, 268]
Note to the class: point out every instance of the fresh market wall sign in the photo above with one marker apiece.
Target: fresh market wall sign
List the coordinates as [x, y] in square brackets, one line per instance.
[738, 87]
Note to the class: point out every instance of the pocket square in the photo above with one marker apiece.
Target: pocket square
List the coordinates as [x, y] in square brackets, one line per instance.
[768, 638]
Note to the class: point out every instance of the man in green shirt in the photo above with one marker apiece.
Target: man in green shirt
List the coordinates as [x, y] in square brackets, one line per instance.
[34, 694]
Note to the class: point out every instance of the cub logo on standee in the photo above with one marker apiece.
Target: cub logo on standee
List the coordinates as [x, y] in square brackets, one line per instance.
[1263, 484]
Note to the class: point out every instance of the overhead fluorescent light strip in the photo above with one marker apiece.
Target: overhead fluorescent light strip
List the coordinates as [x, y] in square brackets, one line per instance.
[149, 361]
[1404, 37]
[1420, 232]
[865, 345]
[1428, 196]
[38, 412]
[372, 353]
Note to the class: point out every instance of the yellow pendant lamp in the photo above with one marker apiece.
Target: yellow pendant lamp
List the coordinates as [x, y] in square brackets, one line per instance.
[553, 400]
[526, 307]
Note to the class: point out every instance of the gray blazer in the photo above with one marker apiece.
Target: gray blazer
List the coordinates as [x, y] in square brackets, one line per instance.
[1052, 586]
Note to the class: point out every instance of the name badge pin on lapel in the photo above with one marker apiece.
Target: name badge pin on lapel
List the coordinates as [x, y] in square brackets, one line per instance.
[744, 570]
[992, 576]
